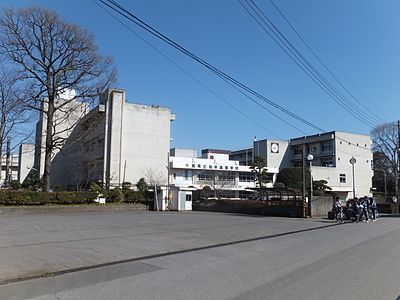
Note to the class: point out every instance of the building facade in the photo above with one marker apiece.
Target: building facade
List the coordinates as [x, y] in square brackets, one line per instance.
[115, 142]
[214, 168]
[332, 152]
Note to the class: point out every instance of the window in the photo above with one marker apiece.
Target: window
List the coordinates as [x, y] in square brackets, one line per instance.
[342, 178]
[188, 197]
[312, 149]
[226, 177]
[186, 174]
[246, 177]
[328, 162]
[205, 177]
[199, 166]
[327, 147]
[210, 166]
[193, 166]
[297, 150]
[211, 156]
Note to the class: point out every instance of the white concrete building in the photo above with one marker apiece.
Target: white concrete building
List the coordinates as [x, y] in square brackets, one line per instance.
[113, 143]
[332, 152]
[13, 169]
[214, 169]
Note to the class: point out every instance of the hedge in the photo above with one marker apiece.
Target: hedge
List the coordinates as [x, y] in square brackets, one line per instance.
[9, 197]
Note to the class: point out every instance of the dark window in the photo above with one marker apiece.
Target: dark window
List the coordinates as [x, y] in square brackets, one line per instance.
[342, 178]
[188, 197]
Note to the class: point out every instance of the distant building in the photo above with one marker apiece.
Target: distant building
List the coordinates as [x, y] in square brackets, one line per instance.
[332, 152]
[214, 169]
[13, 169]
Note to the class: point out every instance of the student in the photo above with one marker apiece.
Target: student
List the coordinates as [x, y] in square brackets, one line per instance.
[365, 208]
[338, 210]
[373, 207]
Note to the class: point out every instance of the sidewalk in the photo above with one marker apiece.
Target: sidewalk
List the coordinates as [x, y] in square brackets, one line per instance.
[46, 209]
[41, 244]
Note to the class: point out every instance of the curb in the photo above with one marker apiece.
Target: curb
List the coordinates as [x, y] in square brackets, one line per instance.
[70, 209]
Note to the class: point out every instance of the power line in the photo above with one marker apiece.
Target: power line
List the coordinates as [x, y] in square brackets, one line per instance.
[230, 80]
[201, 83]
[278, 37]
[227, 78]
[379, 119]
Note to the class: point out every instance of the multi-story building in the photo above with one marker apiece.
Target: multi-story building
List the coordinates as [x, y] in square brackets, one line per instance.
[331, 153]
[331, 159]
[214, 168]
[243, 156]
[12, 172]
[115, 142]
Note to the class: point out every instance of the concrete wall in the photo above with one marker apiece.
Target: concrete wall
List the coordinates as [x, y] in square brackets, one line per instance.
[145, 143]
[26, 161]
[65, 122]
[358, 146]
[279, 159]
[321, 205]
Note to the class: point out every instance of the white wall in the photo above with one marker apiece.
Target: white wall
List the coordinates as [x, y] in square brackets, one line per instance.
[145, 143]
[26, 161]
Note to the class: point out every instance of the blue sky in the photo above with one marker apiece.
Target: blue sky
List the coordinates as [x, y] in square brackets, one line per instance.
[359, 40]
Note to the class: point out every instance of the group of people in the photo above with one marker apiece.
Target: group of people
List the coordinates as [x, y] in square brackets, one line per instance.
[357, 209]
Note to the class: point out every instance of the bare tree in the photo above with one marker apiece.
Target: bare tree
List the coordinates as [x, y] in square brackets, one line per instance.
[54, 57]
[12, 104]
[385, 146]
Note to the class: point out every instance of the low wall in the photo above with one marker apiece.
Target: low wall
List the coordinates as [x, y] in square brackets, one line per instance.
[284, 208]
[321, 205]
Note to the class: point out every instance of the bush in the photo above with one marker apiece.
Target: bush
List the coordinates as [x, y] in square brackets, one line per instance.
[114, 195]
[9, 197]
[15, 185]
[131, 196]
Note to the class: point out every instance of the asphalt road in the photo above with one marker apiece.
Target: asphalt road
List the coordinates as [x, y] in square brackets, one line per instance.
[225, 257]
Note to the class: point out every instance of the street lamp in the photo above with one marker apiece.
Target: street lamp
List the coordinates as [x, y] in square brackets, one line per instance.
[353, 161]
[310, 158]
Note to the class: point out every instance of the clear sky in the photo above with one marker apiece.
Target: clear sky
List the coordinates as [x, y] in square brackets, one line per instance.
[359, 40]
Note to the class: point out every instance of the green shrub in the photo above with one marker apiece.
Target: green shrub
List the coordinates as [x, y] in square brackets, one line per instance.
[15, 185]
[114, 195]
[9, 197]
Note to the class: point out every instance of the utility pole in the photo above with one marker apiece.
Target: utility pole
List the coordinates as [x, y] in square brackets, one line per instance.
[7, 179]
[398, 160]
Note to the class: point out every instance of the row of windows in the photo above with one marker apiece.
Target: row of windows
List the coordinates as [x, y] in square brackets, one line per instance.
[313, 148]
[214, 167]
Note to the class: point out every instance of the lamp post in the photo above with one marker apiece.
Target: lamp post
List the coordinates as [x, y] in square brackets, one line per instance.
[353, 161]
[310, 158]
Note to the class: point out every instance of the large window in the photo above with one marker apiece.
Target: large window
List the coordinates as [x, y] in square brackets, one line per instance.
[342, 178]
[327, 146]
[246, 177]
[297, 150]
[208, 177]
[226, 177]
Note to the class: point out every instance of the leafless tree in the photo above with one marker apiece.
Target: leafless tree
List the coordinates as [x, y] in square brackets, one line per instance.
[53, 58]
[385, 146]
[13, 109]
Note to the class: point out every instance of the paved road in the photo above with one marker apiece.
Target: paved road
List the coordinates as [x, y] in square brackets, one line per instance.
[350, 261]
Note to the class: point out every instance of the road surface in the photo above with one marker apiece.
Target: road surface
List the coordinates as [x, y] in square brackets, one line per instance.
[213, 256]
